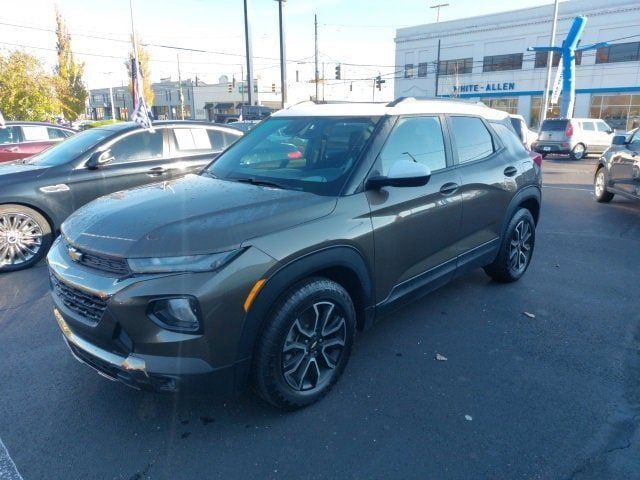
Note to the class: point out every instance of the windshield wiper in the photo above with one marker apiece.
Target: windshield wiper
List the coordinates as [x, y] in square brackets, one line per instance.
[262, 183]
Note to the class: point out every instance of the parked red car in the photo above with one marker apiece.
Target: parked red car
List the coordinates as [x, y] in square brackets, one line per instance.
[23, 139]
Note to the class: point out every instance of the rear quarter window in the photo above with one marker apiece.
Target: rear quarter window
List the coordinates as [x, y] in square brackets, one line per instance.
[509, 139]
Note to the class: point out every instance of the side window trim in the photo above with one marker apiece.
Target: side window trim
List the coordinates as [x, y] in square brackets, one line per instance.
[110, 143]
[498, 147]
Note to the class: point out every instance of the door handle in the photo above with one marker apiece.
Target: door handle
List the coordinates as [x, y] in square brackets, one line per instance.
[510, 171]
[10, 149]
[157, 171]
[449, 188]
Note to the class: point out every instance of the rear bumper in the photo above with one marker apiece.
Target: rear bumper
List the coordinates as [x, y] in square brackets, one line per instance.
[549, 147]
[148, 372]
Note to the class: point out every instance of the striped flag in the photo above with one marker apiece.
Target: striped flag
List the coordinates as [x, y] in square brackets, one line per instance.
[2, 124]
[140, 113]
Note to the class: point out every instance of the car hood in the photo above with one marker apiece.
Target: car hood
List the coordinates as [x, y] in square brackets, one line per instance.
[190, 216]
[14, 171]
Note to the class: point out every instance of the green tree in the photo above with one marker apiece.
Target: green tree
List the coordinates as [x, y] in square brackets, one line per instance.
[143, 58]
[70, 88]
[26, 91]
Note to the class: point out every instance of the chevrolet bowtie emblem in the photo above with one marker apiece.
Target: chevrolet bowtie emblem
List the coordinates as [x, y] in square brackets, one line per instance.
[75, 255]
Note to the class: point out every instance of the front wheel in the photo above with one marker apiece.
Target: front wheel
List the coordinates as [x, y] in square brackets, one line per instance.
[25, 237]
[516, 249]
[305, 345]
[600, 187]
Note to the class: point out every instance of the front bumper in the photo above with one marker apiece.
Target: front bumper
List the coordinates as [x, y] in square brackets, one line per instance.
[122, 343]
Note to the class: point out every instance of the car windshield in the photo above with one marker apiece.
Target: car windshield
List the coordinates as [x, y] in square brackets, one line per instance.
[70, 149]
[312, 154]
[554, 125]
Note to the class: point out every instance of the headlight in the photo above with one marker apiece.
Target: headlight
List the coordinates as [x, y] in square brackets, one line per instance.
[189, 263]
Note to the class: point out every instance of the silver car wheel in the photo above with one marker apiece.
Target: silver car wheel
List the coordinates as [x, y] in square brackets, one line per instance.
[599, 185]
[578, 151]
[520, 247]
[20, 238]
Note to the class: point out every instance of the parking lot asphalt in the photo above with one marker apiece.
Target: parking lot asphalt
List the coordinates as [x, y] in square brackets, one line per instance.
[555, 396]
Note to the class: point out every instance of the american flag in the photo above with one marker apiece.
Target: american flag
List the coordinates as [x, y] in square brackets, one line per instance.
[140, 113]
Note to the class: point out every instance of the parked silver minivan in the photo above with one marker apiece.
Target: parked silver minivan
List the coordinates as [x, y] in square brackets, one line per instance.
[576, 137]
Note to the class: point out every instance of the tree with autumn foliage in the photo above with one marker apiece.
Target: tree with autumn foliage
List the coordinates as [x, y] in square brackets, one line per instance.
[143, 59]
[27, 92]
[70, 88]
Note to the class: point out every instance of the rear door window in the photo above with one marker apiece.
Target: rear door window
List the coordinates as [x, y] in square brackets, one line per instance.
[192, 140]
[35, 133]
[603, 127]
[588, 126]
[554, 126]
[472, 141]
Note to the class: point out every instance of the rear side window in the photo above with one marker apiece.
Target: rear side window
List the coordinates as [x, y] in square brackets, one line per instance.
[603, 127]
[554, 126]
[472, 141]
[517, 125]
[588, 127]
[415, 138]
[56, 134]
[35, 133]
[220, 140]
[510, 140]
[10, 135]
[193, 140]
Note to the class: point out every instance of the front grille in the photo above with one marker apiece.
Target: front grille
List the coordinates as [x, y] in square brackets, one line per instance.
[118, 266]
[85, 304]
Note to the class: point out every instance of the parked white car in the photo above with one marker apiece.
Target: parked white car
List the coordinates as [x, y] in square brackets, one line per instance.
[576, 137]
[527, 136]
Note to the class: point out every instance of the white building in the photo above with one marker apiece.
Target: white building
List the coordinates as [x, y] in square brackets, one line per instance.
[486, 58]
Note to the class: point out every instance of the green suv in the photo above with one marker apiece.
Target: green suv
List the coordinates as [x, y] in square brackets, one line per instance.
[262, 268]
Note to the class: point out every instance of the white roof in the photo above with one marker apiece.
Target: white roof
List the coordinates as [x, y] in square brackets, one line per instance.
[404, 107]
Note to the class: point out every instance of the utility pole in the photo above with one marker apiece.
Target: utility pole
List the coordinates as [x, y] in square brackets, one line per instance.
[247, 39]
[181, 96]
[283, 60]
[113, 115]
[545, 101]
[242, 82]
[323, 81]
[316, 55]
[438, 7]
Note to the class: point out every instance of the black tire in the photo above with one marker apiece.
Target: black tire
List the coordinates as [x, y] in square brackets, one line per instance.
[600, 189]
[578, 152]
[37, 236]
[292, 313]
[502, 269]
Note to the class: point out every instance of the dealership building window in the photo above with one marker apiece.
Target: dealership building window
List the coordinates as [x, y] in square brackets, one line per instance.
[408, 70]
[422, 69]
[509, 105]
[621, 112]
[620, 52]
[455, 67]
[496, 63]
[541, 59]
[536, 107]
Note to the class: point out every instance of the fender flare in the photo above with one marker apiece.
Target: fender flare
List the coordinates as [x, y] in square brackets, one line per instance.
[527, 193]
[344, 256]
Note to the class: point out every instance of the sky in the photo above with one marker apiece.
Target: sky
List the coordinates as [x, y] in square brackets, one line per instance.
[350, 31]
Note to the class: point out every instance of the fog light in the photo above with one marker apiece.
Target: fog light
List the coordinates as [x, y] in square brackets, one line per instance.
[180, 314]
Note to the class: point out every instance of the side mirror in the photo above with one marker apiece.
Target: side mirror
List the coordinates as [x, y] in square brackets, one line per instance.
[610, 131]
[403, 173]
[619, 140]
[99, 158]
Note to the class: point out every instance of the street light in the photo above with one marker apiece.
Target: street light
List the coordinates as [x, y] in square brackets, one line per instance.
[438, 7]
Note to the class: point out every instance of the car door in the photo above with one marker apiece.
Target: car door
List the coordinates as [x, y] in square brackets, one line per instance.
[416, 229]
[10, 139]
[192, 147]
[625, 166]
[138, 158]
[488, 182]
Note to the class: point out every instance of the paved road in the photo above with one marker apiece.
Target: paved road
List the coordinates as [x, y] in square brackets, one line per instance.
[555, 396]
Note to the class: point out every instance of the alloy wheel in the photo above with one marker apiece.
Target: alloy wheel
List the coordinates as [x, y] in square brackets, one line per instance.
[314, 346]
[520, 247]
[578, 151]
[20, 238]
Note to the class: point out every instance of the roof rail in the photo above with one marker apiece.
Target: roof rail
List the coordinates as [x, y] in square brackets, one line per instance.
[399, 100]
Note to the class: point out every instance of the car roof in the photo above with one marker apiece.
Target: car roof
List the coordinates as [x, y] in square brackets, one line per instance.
[39, 124]
[402, 106]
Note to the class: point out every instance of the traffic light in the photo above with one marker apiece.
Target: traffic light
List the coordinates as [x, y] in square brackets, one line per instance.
[379, 82]
[273, 88]
[338, 72]
[230, 87]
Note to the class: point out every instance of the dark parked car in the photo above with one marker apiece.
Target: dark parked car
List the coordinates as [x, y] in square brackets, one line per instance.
[263, 270]
[38, 193]
[24, 139]
[618, 170]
